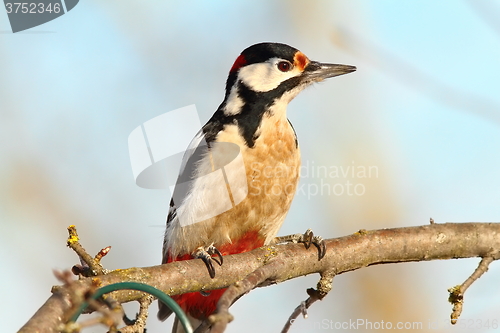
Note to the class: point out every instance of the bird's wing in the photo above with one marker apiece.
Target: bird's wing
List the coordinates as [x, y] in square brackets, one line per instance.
[187, 170]
[212, 181]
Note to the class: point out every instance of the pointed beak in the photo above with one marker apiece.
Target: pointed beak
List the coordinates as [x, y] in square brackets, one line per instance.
[316, 71]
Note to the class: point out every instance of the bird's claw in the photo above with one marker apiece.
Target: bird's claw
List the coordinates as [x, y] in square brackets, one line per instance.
[318, 241]
[205, 254]
[307, 238]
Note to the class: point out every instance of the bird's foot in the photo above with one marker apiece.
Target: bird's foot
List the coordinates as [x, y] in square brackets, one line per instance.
[205, 254]
[307, 238]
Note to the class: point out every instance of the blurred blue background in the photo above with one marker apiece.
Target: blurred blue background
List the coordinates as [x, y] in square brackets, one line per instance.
[423, 108]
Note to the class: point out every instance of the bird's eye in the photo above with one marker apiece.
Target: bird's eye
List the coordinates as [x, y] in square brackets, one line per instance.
[284, 66]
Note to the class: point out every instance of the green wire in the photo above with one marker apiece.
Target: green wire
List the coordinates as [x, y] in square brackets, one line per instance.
[167, 300]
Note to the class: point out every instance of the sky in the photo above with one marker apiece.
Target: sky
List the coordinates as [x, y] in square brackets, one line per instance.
[422, 110]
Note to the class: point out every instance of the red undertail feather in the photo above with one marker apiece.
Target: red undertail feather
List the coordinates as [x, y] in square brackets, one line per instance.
[200, 306]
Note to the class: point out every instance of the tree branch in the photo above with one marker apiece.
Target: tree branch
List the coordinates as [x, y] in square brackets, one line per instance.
[344, 254]
[457, 293]
[324, 287]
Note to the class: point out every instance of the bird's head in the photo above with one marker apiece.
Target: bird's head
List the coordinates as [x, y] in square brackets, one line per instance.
[262, 81]
[276, 69]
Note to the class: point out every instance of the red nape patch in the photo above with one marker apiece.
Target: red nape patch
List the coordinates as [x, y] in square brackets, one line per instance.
[300, 60]
[238, 63]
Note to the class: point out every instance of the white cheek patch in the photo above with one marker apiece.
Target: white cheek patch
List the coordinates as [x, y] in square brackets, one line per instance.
[265, 76]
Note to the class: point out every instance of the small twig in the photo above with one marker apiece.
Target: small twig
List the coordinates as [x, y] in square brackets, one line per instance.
[64, 276]
[111, 317]
[76, 298]
[220, 319]
[139, 324]
[102, 254]
[94, 264]
[457, 293]
[324, 286]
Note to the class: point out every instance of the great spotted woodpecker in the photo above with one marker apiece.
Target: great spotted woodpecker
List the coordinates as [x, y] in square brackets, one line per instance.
[252, 117]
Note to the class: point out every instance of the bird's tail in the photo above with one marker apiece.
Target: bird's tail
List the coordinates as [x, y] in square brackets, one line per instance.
[165, 312]
[177, 328]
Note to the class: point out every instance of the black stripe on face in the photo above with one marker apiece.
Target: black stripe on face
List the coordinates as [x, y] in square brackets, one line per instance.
[256, 104]
[248, 120]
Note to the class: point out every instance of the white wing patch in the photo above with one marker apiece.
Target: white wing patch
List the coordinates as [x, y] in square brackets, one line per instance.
[212, 181]
[198, 141]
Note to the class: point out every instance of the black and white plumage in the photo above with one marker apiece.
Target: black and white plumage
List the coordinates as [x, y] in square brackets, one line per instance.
[254, 146]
